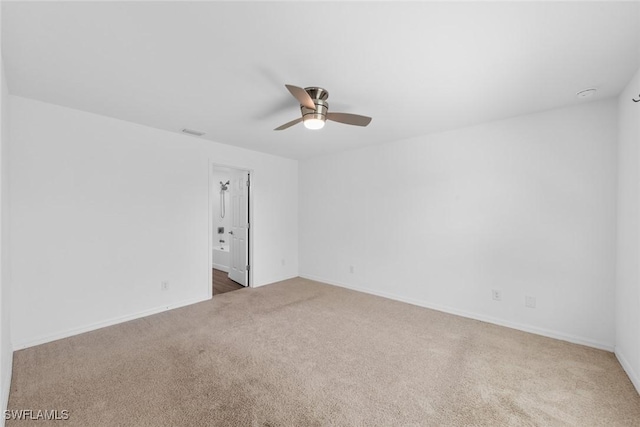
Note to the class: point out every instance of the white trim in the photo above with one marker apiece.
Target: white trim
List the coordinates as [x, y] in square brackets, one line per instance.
[6, 386]
[513, 325]
[105, 323]
[212, 166]
[278, 280]
[633, 376]
[210, 228]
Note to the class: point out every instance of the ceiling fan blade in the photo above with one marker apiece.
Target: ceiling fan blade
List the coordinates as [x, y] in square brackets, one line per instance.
[302, 96]
[289, 124]
[349, 119]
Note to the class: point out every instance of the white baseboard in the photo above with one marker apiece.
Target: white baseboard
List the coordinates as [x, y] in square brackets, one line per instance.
[7, 370]
[103, 324]
[513, 325]
[633, 376]
[221, 267]
[272, 280]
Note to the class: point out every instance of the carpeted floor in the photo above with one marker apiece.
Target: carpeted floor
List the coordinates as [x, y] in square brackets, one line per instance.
[301, 353]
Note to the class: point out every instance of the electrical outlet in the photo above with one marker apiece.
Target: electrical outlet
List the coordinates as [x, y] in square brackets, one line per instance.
[164, 286]
[530, 301]
[351, 270]
[283, 262]
[496, 295]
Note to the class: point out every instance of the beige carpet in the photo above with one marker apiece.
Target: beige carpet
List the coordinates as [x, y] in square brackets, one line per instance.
[301, 353]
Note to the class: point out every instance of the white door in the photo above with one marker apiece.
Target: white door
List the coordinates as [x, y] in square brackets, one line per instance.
[239, 230]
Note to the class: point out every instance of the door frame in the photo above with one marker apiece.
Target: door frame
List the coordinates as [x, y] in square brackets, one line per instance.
[250, 242]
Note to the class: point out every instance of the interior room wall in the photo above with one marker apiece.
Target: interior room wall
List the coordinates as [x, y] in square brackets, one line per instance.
[104, 210]
[6, 346]
[526, 206]
[628, 254]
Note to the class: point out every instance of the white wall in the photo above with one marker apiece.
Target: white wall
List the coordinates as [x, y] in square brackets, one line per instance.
[628, 280]
[104, 210]
[525, 205]
[6, 346]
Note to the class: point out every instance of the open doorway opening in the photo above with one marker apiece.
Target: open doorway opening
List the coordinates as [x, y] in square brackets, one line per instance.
[231, 229]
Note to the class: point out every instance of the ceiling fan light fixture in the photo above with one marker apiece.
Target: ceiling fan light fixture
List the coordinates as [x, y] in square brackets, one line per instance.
[313, 123]
[314, 109]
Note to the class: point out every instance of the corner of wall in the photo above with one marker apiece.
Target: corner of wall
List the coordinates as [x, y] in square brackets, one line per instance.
[7, 370]
[627, 290]
[631, 373]
[6, 345]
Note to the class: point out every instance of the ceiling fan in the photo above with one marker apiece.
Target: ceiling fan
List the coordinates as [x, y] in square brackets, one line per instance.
[315, 110]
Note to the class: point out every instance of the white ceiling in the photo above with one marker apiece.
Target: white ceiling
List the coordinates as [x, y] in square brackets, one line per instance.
[414, 67]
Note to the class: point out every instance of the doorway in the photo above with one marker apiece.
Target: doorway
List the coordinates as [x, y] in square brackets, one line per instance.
[230, 219]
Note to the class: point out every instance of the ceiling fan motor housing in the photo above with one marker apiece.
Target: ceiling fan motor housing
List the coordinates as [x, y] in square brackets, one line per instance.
[319, 113]
[319, 97]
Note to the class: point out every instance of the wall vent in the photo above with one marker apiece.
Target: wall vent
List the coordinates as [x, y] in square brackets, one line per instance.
[586, 93]
[192, 132]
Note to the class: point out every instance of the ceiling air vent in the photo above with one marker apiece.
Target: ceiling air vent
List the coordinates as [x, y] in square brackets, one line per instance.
[192, 132]
[586, 93]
